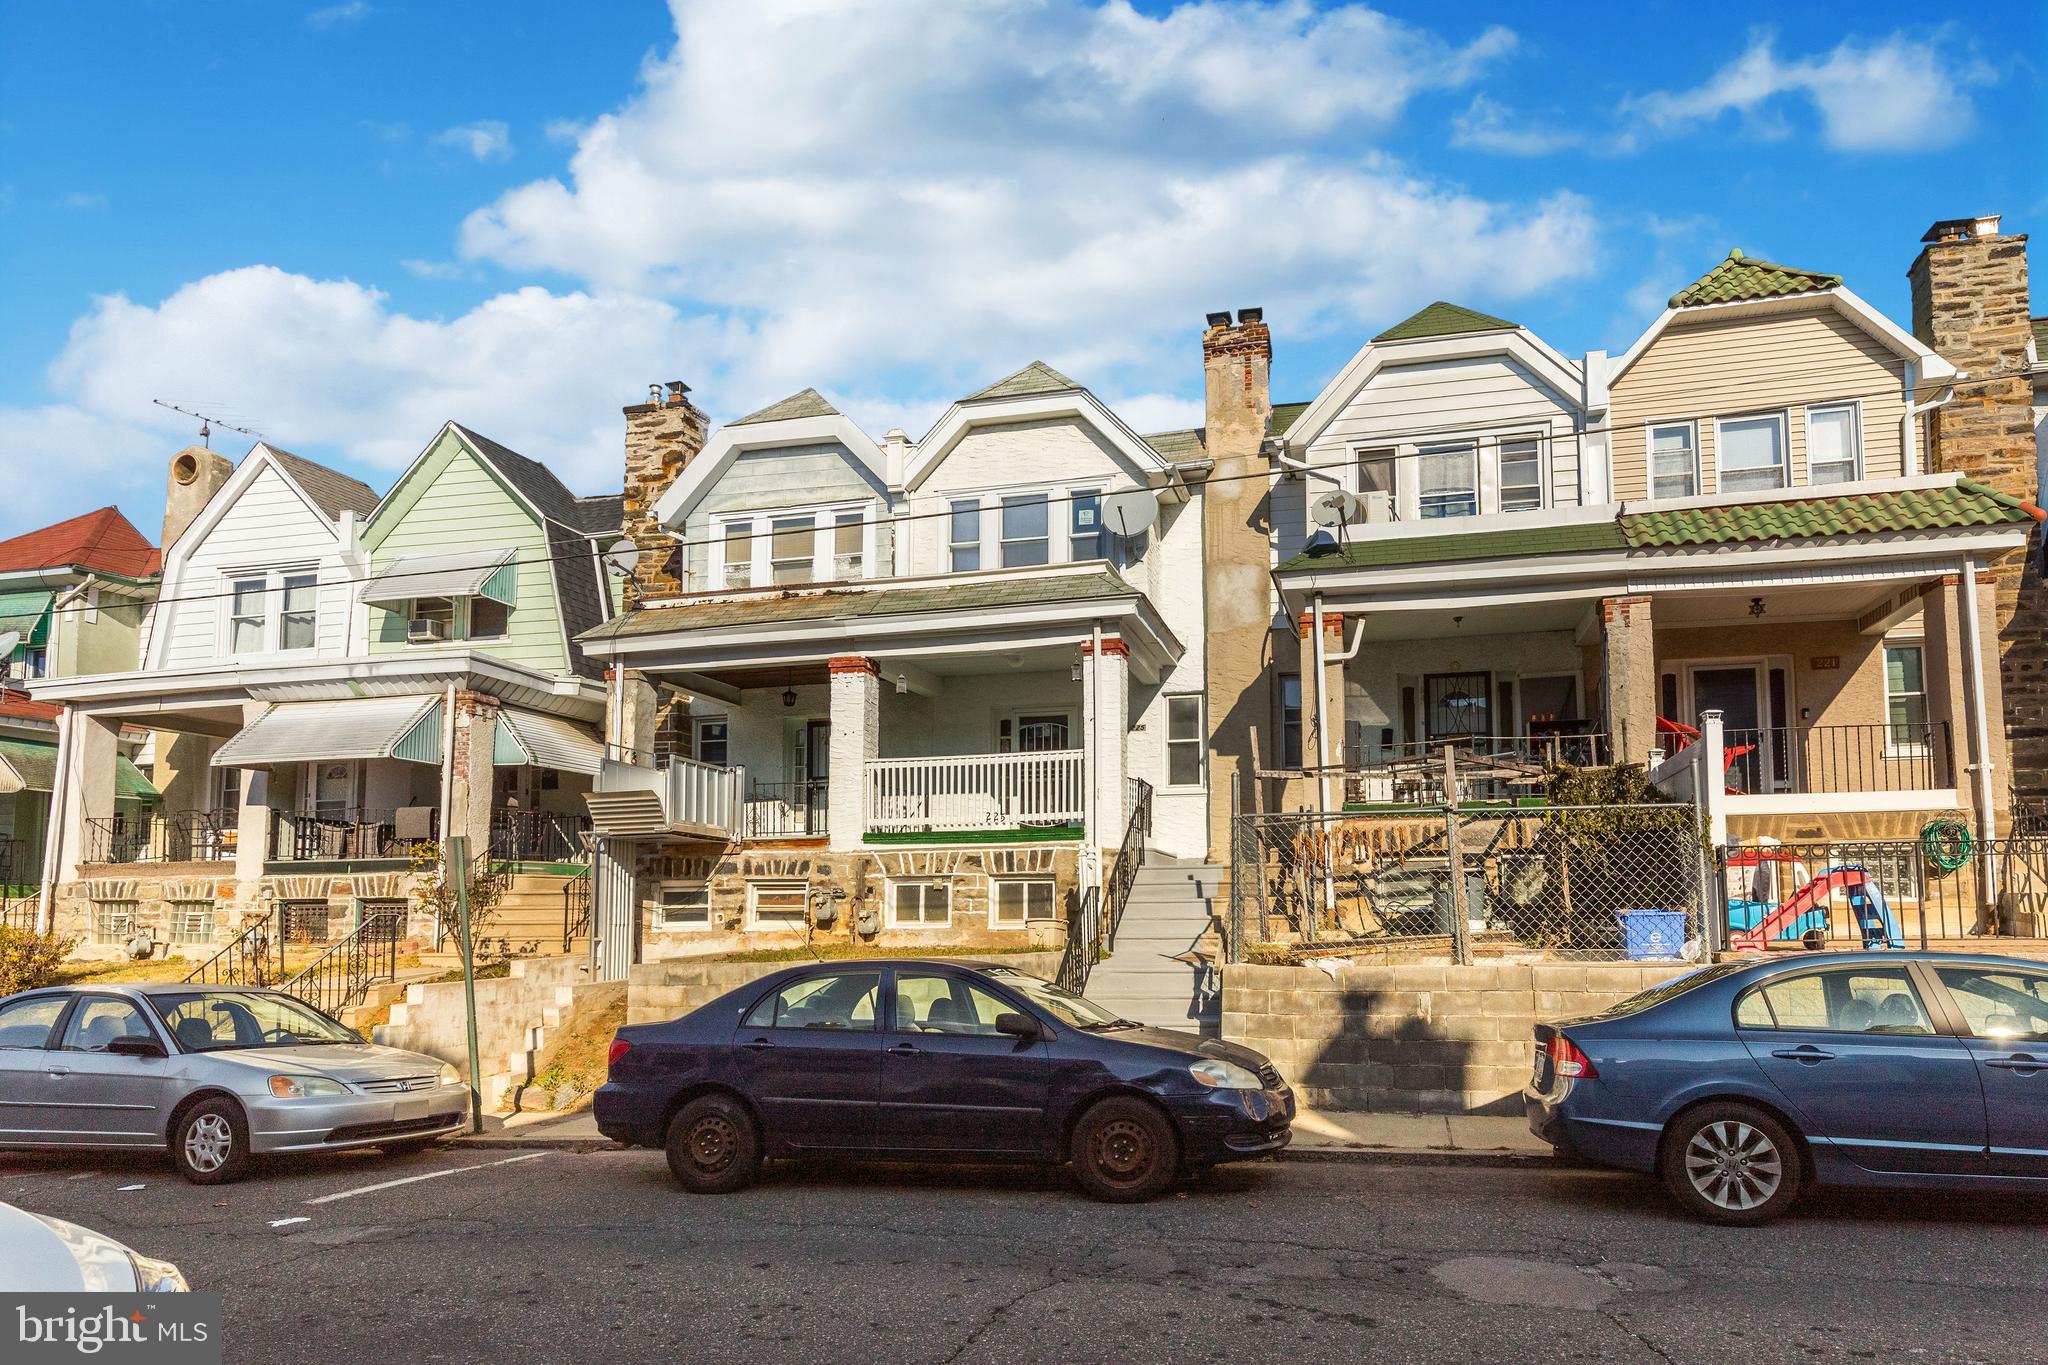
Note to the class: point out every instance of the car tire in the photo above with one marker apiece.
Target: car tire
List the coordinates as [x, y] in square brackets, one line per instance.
[1124, 1151]
[714, 1146]
[1732, 1164]
[210, 1142]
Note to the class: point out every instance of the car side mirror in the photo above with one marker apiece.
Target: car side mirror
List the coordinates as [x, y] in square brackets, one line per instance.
[136, 1045]
[1018, 1025]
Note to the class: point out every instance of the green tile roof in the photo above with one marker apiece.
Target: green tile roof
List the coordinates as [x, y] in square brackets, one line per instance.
[1442, 319]
[2041, 341]
[1379, 552]
[1963, 505]
[953, 599]
[1285, 415]
[807, 403]
[1740, 277]
[1037, 377]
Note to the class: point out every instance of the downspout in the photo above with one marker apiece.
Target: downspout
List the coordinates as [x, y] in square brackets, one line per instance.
[1909, 424]
[1092, 820]
[1980, 737]
[1322, 711]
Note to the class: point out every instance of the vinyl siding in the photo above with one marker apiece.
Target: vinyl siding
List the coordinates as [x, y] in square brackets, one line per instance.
[269, 526]
[1710, 367]
[452, 502]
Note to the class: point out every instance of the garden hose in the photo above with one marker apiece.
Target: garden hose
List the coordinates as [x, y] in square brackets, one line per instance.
[1947, 844]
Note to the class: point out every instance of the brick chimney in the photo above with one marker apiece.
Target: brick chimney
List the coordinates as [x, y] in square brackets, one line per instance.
[1970, 304]
[196, 475]
[1237, 361]
[662, 435]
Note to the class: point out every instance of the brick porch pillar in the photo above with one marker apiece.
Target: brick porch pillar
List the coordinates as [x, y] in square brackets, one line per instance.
[856, 711]
[1629, 658]
[468, 771]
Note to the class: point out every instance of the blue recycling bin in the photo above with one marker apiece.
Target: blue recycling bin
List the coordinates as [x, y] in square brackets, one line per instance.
[1650, 934]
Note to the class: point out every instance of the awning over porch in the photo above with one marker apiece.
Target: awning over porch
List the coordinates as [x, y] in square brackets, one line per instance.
[527, 738]
[312, 731]
[27, 614]
[469, 573]
[28, 765]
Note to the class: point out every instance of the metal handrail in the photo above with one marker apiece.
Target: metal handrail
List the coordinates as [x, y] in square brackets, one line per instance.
[254, 957]
[181, 837]
[342, 976]
[1092, 930]
[1130, 856]
[575, 909]
[539, 836]
[1084, 932]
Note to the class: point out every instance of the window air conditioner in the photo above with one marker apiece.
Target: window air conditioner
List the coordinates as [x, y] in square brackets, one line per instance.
[424, 630]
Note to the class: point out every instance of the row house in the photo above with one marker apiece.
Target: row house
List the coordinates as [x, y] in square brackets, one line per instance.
[337, 683]
[910, 692]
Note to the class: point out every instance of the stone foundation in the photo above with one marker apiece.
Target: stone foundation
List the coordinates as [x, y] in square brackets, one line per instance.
[160, 892]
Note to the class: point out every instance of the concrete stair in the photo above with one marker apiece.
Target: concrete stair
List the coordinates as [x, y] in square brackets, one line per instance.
[530, 913]
[1153, 974]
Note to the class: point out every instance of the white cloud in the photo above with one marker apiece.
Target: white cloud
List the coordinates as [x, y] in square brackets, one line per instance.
[1487, 125]
[1900, 94]
[486, 139]
[335, 16]
[434, 270]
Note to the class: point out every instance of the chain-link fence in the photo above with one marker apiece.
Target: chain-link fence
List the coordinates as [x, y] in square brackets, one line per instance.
[1887, 893]
[1573, 882]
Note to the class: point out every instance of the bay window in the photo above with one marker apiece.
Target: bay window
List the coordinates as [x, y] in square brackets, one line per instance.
[1751, 453]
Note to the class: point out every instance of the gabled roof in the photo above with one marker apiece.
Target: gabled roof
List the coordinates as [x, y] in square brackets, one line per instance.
[601, 513]
[1193, 442]
[103, 540]
[804, 403]
[1959, 506]
[1442, 319]
[1037, 377]
[331, 491]
[1740, 278]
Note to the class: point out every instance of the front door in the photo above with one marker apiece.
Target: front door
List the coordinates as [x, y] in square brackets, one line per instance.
[1855, 1052]
[2005, 1010]
[334, 790]
[1457, 705]
[813, 768]
[950, 1082]
[108, 1098]
[809, 1057]
[1732, 690]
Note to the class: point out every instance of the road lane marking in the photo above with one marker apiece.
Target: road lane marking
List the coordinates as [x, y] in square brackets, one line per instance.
[287, 1222]
[415, 1179]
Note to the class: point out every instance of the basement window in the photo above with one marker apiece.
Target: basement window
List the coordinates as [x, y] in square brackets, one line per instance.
[778, 905]
[1019, 900]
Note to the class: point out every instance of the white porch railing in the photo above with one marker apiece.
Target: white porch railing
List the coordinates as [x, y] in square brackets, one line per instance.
[976, 791]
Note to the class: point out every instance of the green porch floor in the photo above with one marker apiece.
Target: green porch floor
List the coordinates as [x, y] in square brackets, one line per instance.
[1021, 835]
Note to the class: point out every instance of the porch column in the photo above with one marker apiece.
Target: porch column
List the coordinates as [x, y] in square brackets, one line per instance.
[1629, 657]
[855, 743]
[632, 711]
[252, 818]
[1108, 690]
[467, 772]
[87, 747]
[1323, 728]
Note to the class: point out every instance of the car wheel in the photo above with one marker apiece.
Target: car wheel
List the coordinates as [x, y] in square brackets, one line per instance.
[210, 1143]
[714, 1146]
[1731, 1164]
[1124, 1152]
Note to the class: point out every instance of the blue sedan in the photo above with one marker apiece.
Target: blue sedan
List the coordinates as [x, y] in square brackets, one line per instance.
[1747, 1081]
[929, 1060]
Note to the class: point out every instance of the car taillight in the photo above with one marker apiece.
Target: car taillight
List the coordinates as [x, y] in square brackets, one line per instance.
[619, 1046]
[1567, 1060]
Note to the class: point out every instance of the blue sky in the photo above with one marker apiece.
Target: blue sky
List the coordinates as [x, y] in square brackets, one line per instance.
[345, 222]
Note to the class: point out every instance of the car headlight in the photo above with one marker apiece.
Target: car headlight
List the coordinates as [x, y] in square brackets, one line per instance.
[157, 1277]
[1224, 1075]
[304, 1087]
[449, 1075]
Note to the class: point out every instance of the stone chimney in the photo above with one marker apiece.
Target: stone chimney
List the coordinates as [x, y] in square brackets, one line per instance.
[1970, 303]
[1237, 360]
[662, 435]
[196, 475]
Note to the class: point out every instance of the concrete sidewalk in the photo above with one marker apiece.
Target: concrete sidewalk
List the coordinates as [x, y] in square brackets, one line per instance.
[1338, 1135]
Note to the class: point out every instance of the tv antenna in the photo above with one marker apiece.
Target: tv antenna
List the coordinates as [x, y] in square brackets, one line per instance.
[206, 423]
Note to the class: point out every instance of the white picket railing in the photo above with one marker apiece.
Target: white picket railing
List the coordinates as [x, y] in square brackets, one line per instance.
[976, 791]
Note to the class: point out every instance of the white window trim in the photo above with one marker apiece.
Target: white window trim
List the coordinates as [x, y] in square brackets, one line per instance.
[995, 901]
[659, 921]
[1541, 440]
[1076, 738]
[1784, 449]
[1053, 540]
[1889, 643]
[760, 524]
[754, 890]
[1102, 536]
[1445, 445]
[1650, 430]
[1854, 407]
[980, 541]
[895, 917]
[1167, 741]
[272, 577]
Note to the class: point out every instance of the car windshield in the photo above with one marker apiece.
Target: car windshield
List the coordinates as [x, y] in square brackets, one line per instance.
[1671, 990]
[1063, 1005]
[218, 1021]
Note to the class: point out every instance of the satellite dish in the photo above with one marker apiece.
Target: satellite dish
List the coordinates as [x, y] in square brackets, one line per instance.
[9, 642]
[1131, 512]
[1337, 508]
[621, 558]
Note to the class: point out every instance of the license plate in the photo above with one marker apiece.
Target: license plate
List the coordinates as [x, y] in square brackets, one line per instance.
[405, 1110]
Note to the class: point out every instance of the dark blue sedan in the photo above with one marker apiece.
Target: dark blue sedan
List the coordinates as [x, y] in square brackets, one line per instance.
[941, 1061]
[1747, 1081]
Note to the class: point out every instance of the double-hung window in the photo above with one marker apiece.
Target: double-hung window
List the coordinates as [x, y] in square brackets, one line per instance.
[1027, 530]
[1674, 461]
[791, 549]
[1834, 446]
[849, 539]
[710, 740]
[1751, 453]
[299, 617]
[1184, 740]
[1448, 475]
[1905, 697]
[964, 535]
[248, 615]
[1521, 474]
[738, 547]
[1290, 720]
[1085, 536]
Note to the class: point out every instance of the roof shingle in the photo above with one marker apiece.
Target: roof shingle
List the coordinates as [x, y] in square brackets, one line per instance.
[331, 491]
[103, 540]
[1037, 377]
[1739, 278]
[805, 403]
[1441, 319]
[1957, 507]
[1379, 552]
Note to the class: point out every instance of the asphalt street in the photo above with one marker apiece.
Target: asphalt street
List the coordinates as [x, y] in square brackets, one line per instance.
[561, 1256]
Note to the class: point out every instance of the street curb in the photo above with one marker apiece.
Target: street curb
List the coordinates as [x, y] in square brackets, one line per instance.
[1416, 1156]
[539, 1144]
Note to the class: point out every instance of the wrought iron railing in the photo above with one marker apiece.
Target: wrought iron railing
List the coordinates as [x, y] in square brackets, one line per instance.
[351, 835]
[254, 957]
[182, 837]
[1130, 856]
[19, 912]
[1819, 759]
[21, 871]
[342, 976]
[1084, 938]
[575, 909]
[539, 836]
[785, 810]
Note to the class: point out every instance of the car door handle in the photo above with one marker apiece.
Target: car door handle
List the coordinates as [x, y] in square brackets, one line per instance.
[905, 1049]
[60, 1071]
[757, 1045]
[1805, 1052]
[2022, 1062]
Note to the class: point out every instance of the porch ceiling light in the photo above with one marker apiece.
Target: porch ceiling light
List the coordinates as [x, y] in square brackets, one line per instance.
[1074, 671]
[1756, 606]
[788, 692]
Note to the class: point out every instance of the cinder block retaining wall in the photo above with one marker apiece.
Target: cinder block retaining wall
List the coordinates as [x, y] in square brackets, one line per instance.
[656, 991]
[431, 1018]
[1416, 1038]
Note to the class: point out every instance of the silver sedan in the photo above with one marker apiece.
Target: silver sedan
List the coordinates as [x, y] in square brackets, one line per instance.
[216, 1074]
